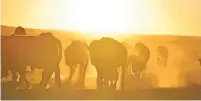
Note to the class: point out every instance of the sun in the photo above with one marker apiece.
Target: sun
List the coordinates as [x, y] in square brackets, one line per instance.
[103, 17]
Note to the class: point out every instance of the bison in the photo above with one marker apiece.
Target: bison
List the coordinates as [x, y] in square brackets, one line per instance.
[107, 55]
[162, 56]
[19, 31]
[140, 61]
[42, 52]
[77, 54]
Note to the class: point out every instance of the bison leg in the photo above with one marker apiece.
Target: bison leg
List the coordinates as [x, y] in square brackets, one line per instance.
[99, 82]
[81, 79]
[142, 74]
[23, 79]
[57, 77]
[84, 72]
[45, 77]
[123, 67]
[72, 70]
[106, 84]
[4, 72]
[137, 74]
[14, 76]
[113, 84]
[129, 69]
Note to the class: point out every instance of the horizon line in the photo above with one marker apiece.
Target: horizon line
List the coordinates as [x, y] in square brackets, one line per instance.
[145, 33]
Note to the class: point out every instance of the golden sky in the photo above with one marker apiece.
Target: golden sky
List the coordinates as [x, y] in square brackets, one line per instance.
[122, 16]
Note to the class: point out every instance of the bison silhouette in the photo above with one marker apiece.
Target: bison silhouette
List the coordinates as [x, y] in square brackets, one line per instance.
[19, 31]
[139, 62]
[43, 52]
[107, 55]
[77, 54]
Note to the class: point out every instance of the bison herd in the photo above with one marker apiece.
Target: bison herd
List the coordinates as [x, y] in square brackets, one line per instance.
[108, 56]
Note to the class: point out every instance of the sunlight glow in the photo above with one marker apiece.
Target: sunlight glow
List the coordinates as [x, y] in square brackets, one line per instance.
[106, 17]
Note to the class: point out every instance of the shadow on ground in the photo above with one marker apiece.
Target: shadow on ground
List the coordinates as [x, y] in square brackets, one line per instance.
[191, 93]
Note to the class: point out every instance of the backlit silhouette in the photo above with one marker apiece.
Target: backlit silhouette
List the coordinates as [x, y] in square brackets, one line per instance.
[77, 54]
[107, 55]
[19, 31]
[43, 52]
[142, 59]
[100, 50]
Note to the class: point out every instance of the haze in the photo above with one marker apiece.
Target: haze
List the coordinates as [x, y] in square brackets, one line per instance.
[181, 17]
